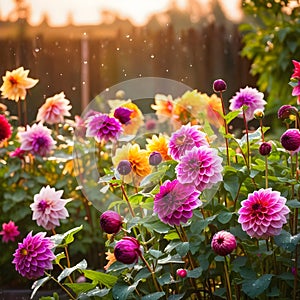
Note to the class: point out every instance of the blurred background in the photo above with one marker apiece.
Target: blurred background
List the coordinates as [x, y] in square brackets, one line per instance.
[82, 47]
[87, 46]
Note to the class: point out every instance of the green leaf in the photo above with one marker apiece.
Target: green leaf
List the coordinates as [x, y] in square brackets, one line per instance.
[103, 278]
[154, 177]
[96, 292]
[195, 273]
[232, 115]
[67, 237]
[171, 236]
[176, 297]
[224, 217]
[80, 288]
[155, 253]
[121, 290]
[153, 296]
[183, 248]
[287, 241]
[176, 259]
[59, 256]
[67, 271]
[293, 203]
[157, 227]
[254, 288]
[37, 284]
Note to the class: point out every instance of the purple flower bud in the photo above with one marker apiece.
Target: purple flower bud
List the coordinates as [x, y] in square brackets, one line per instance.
[181, 273]
[223, 243]
[290, 140]
[286, 111]
[219, 85]
[123, 114]
[111, 222]
[127, 250]
[155, 158]
[124, 167]
[265, 148]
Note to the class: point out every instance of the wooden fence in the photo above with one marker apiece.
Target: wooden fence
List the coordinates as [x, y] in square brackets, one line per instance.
[84, 67]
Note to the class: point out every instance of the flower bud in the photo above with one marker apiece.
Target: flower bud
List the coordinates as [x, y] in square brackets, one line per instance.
[155, 158]
[124, 167]
[123, 114]
[219, 85]
[258, 114]
[111, 222]
[265, 148]
[223, 243]
[286, 112]
[290, 140]
[127, 250]
[181, 273]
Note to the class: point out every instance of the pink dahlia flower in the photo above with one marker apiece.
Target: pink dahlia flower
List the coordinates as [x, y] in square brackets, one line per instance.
[34, 255]
[290, 140]
[102, 127]
[263, 213]
[223, 243]
[250, 97]
[54, 109]
[185, 139]
[201, 167]
[17, 153]
[37, 140]
[175, 202]
[48, 208]
[296, 73]
[128, 250]
[5, 129]
[9, 231]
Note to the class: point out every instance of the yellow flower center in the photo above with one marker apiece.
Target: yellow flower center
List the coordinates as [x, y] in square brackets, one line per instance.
[24, 252]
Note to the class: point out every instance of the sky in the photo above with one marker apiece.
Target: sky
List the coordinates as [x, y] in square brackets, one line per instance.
[88, 11]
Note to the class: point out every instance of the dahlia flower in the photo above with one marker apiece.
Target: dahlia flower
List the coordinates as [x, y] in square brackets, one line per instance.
[159, 144]
[111, 259]
[155, 158]
[17, 153]
[296, 73]
[296, 91]
[111, 222]
[128, 250]
[103, 128]
[123, 114]
[5, 129]
[37, 139]
[265, 148]
[54, 109]
[34, 255]
[290, 140]
[163, 106]
[9, 232]
[139, 161]
[185, 139]
[181, 273]
[16, 83]
[201, 167]
[213, 110]
[287, 112]
[263, 213]
[175, 202]
[124, 167]
[48, 208]
[250, 97]
[223, 243]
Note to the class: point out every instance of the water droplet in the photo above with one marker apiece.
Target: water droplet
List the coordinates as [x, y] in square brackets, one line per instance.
[167, 70]
[83, 82]
[107, 89]
[60, 74]
[85, 62]
[128, 36]
[152, 56]
[102, 65]
[118, 48]
[191, 65]
[73, 88]
[37, 50]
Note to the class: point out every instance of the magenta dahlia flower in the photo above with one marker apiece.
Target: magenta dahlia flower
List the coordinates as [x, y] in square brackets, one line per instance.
[223, 243]
[286, 111]
[37, 140]
[263, 213]
[219, 85]
[201, 167]
[48, 208]
[17, 153]
[290, 140]
[296, 73]
[34, 255]
[185, 139]
[103, 128]
[128, 250]
[111, 222]
[5, 129]
[250, 97]
[175, 202]
[9, 232]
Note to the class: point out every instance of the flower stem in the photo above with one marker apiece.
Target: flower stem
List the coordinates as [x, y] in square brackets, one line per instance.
[227, 280]
[54, 279]
[127, 200]
[247, 140]
[226, 129]
[157, 285]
